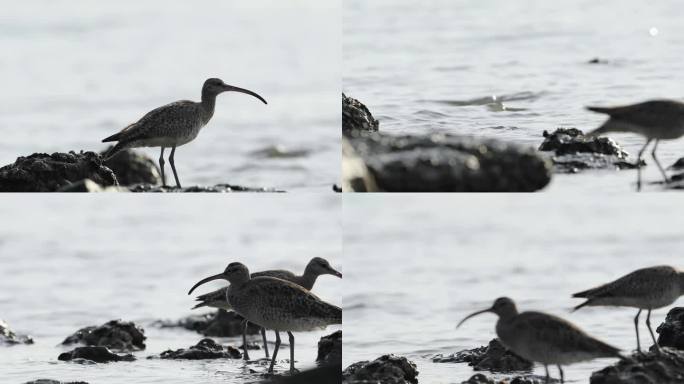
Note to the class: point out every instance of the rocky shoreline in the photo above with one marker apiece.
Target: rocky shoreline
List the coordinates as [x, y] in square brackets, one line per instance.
[128, 171]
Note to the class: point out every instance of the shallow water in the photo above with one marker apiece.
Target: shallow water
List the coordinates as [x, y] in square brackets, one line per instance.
[442, 258]
[93, 260]
[511, 70]
[80, 71]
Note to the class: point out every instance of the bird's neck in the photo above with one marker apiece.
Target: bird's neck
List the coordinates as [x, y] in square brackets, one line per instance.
[208, 103]
[308, 279]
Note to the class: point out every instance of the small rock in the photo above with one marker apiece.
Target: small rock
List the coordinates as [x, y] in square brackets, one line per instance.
[326, 374]
[679, 164]
[386, 369]
[41, 172]
[8, 337]
[646, 368]
[572, 151]
[49, 381]
[671, 331]
[216, 324]
[218, 188]
[131, 167]
[330, 349]
[356, 117]
[116, 334]
[494, 358]
[93, 354]
[204, 349]
[529, 379]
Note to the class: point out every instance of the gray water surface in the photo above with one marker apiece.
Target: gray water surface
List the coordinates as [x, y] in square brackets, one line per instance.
[69, 262]
[512, 69]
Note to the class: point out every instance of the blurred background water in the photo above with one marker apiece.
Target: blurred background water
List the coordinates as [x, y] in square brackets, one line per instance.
[69, 262]
[442, 258]
[512, 69]
[74, 72]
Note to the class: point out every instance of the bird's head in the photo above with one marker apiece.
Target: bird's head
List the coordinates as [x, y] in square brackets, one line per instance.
[504, 307]
[320, 266]
[235, 273]
[214, 86]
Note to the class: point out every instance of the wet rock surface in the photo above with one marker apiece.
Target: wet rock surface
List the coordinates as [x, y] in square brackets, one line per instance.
[572, 151]
[93, 354]
[330, 349]
[217, 324]
[666, 367]
[529, 379]
[41, 172]
[131, 167]
[115, 334]
[8, 337]
[49, 381]
[326, 374]
[494, 358]
[356, 117]
[451, 163]
[671, 331]
[218, 188]
[386, 369]
[204, 349]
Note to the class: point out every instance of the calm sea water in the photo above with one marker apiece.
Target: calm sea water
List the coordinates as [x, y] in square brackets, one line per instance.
[69, 262]
[442, 258]
[76, 72]
[438, 65]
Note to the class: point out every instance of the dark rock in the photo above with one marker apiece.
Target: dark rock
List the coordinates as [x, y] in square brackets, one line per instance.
[386, 369]
[48, 381]
[93, 354]
[646, 368]
[679, 164]
[356, 117]
[116, 334]
[41, 172]
[131, 167]
[326, 374]
[330, 349]
[205, 349]
[217, 324]
[529, 379]
[8, 337]
[223, 188]
[572, 151]
[494, 358]
[671, 331]
[336, 188]
[450, 163]
[597, 60]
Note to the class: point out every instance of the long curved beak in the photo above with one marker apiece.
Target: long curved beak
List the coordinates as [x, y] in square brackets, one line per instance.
[206, 280]
[473, 315]
[230, 88]
[335, 272]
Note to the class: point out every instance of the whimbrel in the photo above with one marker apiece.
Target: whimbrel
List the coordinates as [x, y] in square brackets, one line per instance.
[544, 338]
[316, 267]
[275, 304]
[646, 288]
[173, 125]
[656, 120]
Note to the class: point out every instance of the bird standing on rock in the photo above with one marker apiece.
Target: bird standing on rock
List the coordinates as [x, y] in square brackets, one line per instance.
[656, 120]
[544, 338]
[173, 125]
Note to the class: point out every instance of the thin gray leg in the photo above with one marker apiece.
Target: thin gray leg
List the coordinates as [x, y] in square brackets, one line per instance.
[292, 368]
[562, 375]
[546, 369]
[161, 167]
[275, 352]
[648, 324]
[263, 337]
[660, 167]
[636, 327]
[641, 152]
[244, 339]
[173, 166]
